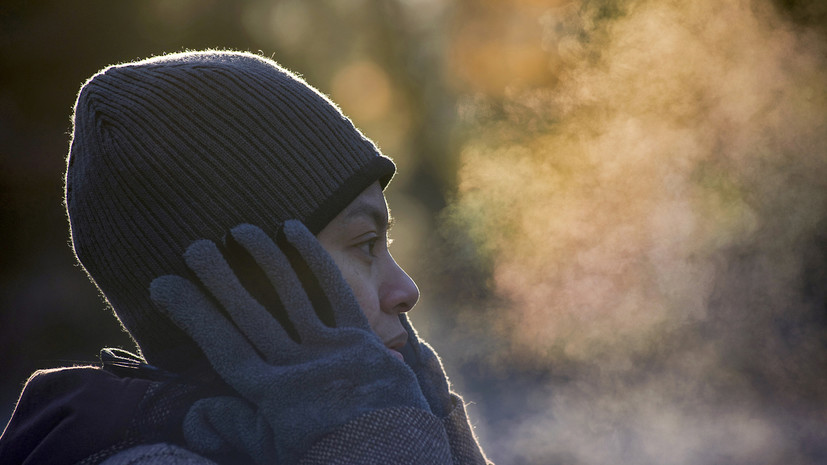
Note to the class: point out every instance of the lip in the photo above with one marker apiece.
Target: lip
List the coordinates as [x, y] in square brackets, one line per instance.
[396, 354]
[394, 344]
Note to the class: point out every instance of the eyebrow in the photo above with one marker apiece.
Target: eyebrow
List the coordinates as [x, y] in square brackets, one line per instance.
[381, 217]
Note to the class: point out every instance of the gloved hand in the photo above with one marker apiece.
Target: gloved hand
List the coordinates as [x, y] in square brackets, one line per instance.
[294, 390]
[427, 366]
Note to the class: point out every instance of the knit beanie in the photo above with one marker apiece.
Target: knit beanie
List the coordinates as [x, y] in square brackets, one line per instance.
[181, 147]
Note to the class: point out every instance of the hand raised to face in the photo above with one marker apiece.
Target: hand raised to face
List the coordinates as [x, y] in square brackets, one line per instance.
[300, 379]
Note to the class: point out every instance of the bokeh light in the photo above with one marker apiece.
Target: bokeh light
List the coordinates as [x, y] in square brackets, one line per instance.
[615, 209]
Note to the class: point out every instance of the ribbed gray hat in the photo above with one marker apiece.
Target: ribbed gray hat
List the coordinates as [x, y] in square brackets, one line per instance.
[181, 147]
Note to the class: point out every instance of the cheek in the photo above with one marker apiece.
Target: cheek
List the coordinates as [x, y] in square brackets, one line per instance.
[362, 285]
[369, 303]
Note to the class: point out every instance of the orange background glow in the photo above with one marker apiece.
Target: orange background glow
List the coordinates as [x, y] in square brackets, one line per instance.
[616, 210]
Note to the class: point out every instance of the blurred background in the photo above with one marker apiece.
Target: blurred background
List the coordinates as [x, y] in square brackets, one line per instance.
[616, 210]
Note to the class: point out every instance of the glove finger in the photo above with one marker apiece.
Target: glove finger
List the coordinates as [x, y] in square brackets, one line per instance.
[413, 334]
[263, 331]
[412, 346]
[428, 368]
[225, 425]
[282, 276]
[412, 351]
[418, 350]
[345, 308]
[229, 353]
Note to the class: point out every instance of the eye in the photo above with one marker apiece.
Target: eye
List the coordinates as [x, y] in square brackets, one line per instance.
[369, 246]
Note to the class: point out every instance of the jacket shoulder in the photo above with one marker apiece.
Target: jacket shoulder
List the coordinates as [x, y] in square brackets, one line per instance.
[67, 413]
[160, 454]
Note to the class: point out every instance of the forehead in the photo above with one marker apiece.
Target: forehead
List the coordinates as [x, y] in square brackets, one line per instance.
[370, 205]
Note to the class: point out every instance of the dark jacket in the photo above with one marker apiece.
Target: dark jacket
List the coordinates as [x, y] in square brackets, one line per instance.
[89, 415]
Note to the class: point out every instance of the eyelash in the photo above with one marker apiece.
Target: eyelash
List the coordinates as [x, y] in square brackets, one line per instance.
[371, 243]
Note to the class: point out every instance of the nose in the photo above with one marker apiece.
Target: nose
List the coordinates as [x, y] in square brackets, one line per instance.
[398, 291]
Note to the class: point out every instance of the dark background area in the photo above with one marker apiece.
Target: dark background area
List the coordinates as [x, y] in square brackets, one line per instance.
[615, 209]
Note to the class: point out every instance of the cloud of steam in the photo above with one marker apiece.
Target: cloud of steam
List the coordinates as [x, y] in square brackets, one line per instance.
[654, 227]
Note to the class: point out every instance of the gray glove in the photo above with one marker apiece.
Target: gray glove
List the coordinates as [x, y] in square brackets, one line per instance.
[294, 389]
[429, 372]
